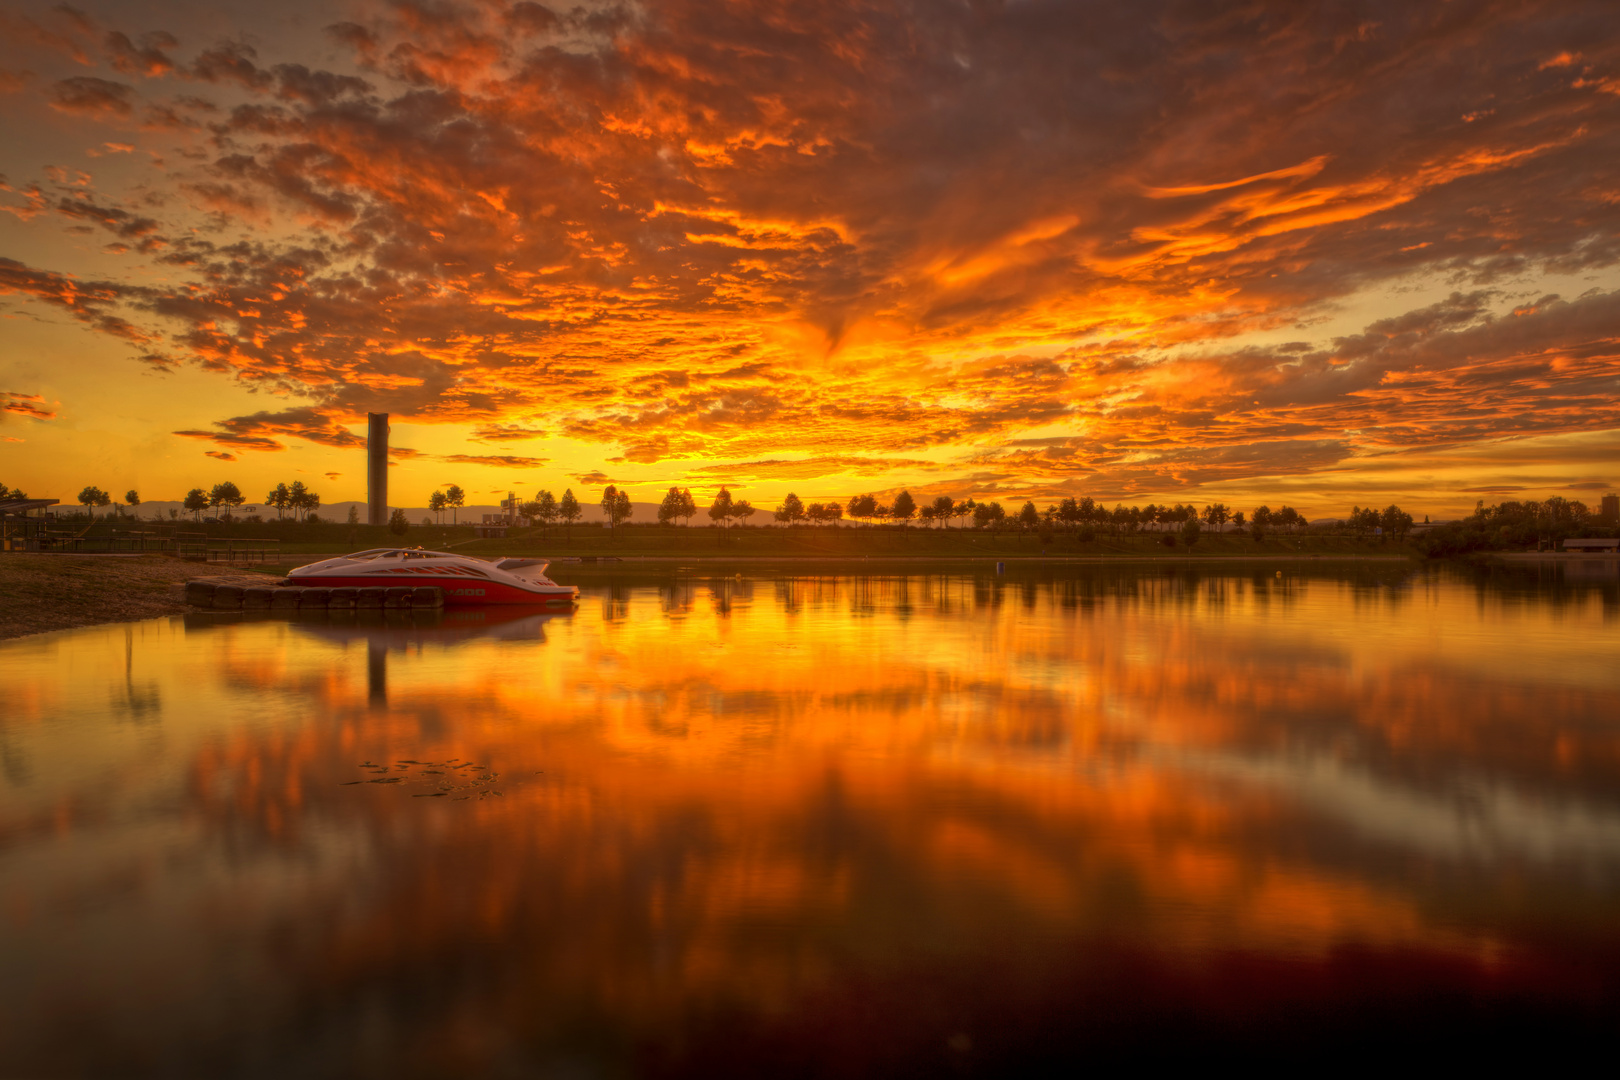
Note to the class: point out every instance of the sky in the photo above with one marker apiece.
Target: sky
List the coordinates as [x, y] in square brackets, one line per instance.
[1253, 252]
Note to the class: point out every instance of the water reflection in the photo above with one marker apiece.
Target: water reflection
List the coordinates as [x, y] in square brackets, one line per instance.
[740, 816]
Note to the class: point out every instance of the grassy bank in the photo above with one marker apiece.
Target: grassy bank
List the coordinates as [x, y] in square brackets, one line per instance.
[59, 592]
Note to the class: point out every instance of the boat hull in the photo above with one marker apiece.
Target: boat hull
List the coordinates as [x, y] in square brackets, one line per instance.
[458, 591]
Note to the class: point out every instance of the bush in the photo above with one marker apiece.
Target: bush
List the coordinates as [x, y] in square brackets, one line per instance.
[398, 523]
[1168, 539]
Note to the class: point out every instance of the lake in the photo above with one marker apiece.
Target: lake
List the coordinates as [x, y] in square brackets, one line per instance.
[834, 823]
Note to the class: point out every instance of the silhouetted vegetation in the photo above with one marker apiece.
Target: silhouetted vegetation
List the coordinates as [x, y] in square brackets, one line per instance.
[1512, 526]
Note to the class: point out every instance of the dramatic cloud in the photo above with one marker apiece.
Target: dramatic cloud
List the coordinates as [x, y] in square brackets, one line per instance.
[92, 96]
[1037, 246]
[29, 405]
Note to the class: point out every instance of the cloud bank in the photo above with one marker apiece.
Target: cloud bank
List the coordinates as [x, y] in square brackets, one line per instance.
[1044, 246]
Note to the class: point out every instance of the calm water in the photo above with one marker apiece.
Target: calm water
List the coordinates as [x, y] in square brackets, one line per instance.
[817, 825]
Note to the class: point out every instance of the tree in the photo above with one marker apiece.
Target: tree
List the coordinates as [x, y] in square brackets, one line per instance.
[196, 502]
[133, 498]
[280, 498]
[743, 510]
[1362, 521]
[455, 498]
[989, 514]
[863, 507]
[530, 510]
[354, 515]
[567, 509]
[616, 506]
[228, 495]
[437, 503]
[1237, 518]
[670, 508]
[304, 501]
[964, 509]
[295, 498]
[944, 508]
[1396, 521]
[905, 507]
[1262, 517]
[1289, 518]
[1028, 516]
[722, 508]
[1216, 515]
[1190, 530]
[545, 507]
[792, 510]
[398, 524]
[827, 513]
[688, 505]
[93, 497]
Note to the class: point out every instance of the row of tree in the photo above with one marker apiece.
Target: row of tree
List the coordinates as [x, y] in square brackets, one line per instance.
[1512, 525]
[1084, 514]
[451, 498]
[1518, 520]
[92, 497]
[1074, 513]
[296, 498]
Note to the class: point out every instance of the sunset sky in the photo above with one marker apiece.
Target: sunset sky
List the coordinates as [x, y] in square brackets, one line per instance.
[1248, 252]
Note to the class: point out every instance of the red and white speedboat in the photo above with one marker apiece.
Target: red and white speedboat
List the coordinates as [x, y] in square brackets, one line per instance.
[466, 581]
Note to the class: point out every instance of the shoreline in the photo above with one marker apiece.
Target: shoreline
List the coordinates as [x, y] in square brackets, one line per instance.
[45, 593]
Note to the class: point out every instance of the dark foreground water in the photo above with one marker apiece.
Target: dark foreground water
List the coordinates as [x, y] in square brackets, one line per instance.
[821, 825]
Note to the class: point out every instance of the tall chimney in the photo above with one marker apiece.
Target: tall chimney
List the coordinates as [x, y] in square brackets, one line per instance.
[377, 468]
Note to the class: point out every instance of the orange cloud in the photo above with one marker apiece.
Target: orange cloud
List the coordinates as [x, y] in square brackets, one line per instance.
[789, 240]
[29, 405]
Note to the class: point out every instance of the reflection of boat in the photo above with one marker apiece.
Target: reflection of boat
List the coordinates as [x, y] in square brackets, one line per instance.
[466, 581]
[400, 629]
[507, 623]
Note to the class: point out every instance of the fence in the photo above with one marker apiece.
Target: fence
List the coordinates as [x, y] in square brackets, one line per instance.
[241, 551]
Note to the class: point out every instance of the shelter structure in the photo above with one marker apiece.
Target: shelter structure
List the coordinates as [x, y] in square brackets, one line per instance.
[23, 523]
[1602, 545]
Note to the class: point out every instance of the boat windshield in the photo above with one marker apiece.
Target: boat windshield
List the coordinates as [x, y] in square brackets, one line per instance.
[396, 553]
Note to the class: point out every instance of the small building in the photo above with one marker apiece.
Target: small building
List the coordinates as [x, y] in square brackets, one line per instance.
[23, 523]
[1602, 545]
[494, 526]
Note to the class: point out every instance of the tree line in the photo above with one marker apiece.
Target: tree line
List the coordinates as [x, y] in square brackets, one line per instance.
[1512, 525]
[1084, 516]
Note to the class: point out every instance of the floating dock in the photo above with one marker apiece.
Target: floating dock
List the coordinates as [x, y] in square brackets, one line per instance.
[233, 594]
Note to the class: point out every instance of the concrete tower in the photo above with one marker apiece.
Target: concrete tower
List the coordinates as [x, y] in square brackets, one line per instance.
[377, 468]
